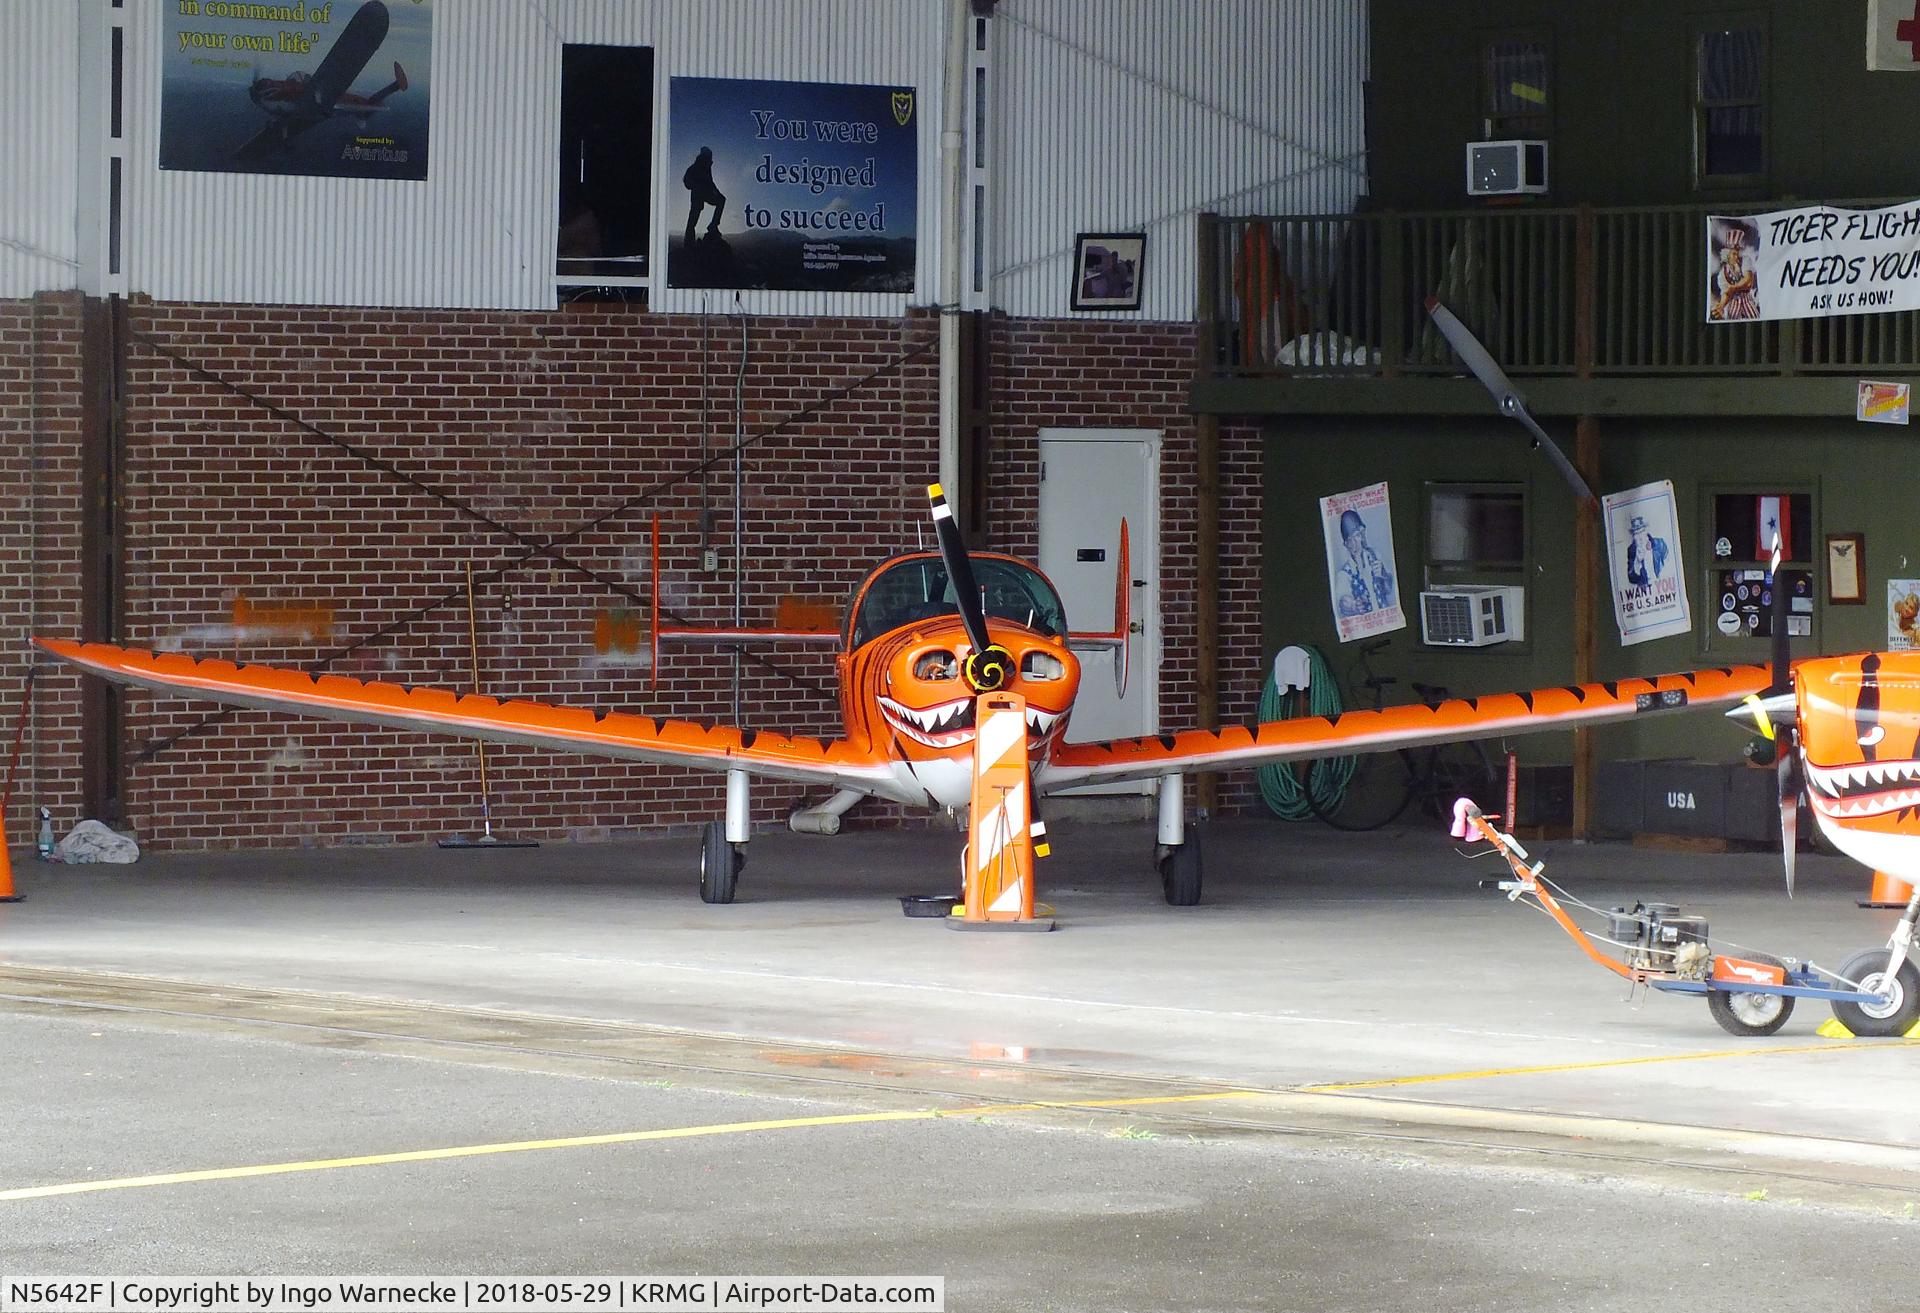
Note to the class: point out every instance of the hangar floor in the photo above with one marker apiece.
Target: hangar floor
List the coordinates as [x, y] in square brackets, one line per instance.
[560, 1060]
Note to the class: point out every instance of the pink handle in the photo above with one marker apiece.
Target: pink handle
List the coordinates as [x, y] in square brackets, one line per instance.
[1461, 807]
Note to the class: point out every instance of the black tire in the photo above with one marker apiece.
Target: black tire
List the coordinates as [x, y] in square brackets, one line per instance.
[1898, 1015]
[1740, 1012]
[720, 864]
[1180, 872]
[1366, 783]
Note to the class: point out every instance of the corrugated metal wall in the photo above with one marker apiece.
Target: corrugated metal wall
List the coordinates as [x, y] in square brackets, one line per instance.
[480, 231]
[1136, 115]
[39, 66]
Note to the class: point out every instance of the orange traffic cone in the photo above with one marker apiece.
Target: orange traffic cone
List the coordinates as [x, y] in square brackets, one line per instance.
[7, 895]
[1887, 892]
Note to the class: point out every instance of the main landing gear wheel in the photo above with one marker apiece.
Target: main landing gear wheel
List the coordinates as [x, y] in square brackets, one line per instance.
[1751, 1014]
[1180, 871]
[1902, 1008]
[720, 864]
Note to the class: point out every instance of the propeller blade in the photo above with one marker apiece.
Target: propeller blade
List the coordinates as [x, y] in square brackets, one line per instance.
[989, 665]
[1506, 396]
[1788, 773]
[1782, 653]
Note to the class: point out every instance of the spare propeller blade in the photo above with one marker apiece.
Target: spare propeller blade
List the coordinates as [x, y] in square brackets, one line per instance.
[1505, 395]
[989, 666]
[1787, 727]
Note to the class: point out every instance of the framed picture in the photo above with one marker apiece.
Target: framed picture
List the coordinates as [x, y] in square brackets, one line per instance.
[1846, 569]
[1107, 269]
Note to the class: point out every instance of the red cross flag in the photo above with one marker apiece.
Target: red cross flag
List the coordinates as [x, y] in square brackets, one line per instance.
[1893, 36]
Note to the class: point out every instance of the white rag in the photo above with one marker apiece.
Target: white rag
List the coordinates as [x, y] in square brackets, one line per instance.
[91, 841]
[1292, 668]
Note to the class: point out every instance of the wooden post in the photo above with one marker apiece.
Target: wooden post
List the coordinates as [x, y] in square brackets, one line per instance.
[1587, 570]
[1206, 642]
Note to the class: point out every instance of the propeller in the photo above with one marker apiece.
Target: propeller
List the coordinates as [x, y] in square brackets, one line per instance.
[1505, 395]
[988, 666]
[1777, 717]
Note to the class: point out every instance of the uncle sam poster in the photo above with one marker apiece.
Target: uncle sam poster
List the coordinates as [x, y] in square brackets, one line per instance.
[1643, 562]
[1357, 528]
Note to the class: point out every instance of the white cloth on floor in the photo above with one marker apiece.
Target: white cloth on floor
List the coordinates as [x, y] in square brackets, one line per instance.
[1292, 668]
[91, 841]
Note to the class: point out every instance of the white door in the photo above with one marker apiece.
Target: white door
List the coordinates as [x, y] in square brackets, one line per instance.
[1089, 480]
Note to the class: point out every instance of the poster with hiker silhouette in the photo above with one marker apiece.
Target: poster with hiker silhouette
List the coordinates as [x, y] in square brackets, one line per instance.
[791, 186]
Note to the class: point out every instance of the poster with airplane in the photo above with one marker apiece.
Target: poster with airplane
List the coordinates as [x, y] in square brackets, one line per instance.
[338, 89]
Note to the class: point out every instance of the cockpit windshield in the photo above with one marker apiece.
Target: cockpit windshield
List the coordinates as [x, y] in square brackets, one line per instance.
[917, 589]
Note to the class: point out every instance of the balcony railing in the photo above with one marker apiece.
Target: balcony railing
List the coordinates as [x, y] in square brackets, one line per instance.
[1550, 291]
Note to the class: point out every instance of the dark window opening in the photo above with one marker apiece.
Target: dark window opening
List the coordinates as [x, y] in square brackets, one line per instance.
[1730, 111]
[1516, 77]
[606, 162]
[1476, 527]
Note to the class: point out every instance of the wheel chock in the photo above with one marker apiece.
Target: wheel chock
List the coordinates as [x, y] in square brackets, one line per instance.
[1834, 1028]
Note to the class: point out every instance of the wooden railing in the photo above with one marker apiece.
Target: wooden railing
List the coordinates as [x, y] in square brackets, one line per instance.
[1550, 291]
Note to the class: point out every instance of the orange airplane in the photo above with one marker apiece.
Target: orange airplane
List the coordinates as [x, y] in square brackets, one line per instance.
[926, 634]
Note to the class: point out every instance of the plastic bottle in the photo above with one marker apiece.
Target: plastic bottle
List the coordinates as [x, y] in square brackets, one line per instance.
[46, 835]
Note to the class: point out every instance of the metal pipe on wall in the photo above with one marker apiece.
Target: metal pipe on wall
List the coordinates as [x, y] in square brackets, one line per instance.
[739, 501]
[953, 227]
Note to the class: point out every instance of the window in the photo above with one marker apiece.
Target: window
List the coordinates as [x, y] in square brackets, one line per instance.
[1744, 524]
[606, 164]
[1515, 76]
[1476, 528]
[1730, 105]
[917, 589]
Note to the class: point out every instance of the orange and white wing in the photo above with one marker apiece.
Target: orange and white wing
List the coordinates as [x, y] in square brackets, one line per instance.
[534, 724]
[1458, 719]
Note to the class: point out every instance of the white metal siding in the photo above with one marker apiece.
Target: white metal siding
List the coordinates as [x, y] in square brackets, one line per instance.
[480, 231]
[1137, 115]
[39, 69]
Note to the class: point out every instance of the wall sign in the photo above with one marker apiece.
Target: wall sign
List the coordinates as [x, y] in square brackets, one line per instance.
[1903, 613]
[1746, 602]
[1846, 569]
[337, 89]
[1882, 403]
[1643, 562]
[792, 186]
[1811, 261]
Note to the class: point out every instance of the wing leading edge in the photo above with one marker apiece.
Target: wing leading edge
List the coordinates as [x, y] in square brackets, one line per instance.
[533, 724]
[1568, 707]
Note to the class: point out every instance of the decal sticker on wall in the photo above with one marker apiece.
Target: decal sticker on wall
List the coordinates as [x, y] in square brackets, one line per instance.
[1882, 403]
[792, 186]
[1357, 528]
[1903, 607]
[1812, 261]
[1643, 561]
[338, 89]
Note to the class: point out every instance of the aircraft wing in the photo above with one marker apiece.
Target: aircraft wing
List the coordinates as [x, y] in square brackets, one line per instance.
[535, 724]
[1351, 732]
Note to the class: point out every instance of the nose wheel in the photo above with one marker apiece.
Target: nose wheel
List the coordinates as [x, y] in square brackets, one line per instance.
[1180, 870]
[720, 864]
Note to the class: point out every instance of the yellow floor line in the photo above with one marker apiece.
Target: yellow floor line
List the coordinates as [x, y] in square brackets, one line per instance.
[580, 1141]
[1599, 1065]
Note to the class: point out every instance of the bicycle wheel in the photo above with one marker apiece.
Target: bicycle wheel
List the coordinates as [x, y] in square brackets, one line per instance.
[1381, 789]
[1451, 771]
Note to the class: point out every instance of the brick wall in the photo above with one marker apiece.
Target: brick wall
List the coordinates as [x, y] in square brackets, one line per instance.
[541, 422]
[1109, 374]
[40, 547]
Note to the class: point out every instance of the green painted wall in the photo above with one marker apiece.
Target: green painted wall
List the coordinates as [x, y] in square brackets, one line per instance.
[1864, 478]
[1623, 100]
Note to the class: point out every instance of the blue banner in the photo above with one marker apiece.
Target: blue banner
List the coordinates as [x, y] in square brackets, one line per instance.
[333, 89]
[792, 186]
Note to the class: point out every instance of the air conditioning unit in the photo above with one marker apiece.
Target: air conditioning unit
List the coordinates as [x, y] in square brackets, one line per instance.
[1473, 615]
[1506, 168]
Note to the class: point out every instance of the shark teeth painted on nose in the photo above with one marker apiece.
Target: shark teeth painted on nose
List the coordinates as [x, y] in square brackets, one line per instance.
[950, 724]
[1867, 788]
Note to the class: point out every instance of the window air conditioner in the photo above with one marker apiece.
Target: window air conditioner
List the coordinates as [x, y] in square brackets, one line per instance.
[1506, 168]
[1473, 615]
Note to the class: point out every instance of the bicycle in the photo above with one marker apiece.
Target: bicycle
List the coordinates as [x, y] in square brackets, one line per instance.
[1434, 775]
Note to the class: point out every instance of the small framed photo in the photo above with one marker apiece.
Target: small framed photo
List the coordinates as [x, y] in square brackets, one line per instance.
[1107, 268]
[1846, 569]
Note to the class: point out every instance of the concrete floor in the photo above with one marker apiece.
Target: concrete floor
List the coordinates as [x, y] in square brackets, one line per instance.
[1347, 1051]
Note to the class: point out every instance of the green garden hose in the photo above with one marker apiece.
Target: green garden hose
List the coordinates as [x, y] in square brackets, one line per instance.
[1327, 777]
